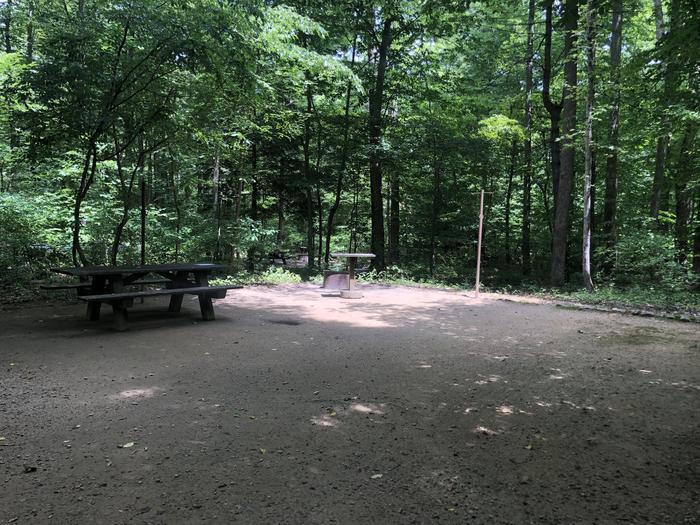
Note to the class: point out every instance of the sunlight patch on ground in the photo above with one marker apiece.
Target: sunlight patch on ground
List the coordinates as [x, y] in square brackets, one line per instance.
[136, 393]
[423, 364]
[558, 374]
[505, 410]
[490, 379]
[367, 408]
[324, 421]
[574, 405]
[485, 431]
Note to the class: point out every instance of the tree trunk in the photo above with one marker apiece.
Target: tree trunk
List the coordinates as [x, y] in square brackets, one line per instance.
[662, 141]
[216, 201]
[509, 195]
[610, 201]
[553, 108]
[588, 176]
[394, 219]
[29, 54]
[683, 175]
[176, 202]
[343, 160]
[376, 102]
[568, 148]
[86, 179]
[310, 224]
[255, 187]
[7, 22]
[527, 174]
[696, 236]
[434, 215]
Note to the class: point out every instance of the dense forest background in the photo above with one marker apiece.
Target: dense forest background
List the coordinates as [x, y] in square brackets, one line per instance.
[187, 130]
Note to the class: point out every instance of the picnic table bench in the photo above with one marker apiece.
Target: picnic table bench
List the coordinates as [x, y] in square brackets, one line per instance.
[110, 285]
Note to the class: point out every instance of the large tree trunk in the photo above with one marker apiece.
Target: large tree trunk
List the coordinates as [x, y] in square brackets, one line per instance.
[527, 174]
[610, 202]
[553, 108]
[568, 150]
[376, 102]
[590, 100]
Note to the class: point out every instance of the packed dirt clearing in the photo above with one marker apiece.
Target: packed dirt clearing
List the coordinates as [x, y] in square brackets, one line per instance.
[294, 406]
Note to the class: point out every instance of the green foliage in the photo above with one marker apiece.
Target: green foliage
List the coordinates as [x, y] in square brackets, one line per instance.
[242, 120]
[273, 275]
[648, 255]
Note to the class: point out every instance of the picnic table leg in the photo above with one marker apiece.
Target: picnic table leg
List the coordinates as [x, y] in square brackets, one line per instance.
[120, 316]
[351, 273]
[205, 304]
[351, 292]
[176, 299]
[93, 308]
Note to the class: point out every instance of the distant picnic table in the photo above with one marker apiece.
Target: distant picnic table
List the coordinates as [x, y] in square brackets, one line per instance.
[114, 285]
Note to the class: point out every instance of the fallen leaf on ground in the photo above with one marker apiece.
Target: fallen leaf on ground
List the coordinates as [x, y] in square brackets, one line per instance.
[126, 445]
[376, 476]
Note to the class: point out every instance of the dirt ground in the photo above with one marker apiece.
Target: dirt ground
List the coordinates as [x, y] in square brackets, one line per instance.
[408, 406]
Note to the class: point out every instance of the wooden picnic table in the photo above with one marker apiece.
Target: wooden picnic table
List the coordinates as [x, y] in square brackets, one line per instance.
[109, 284]
[351, 292]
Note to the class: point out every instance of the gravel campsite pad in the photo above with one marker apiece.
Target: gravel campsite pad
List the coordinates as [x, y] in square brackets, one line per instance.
[296, 406]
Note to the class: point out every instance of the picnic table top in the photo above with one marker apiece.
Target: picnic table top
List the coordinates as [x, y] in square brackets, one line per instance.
[354, 255]
[85, 271]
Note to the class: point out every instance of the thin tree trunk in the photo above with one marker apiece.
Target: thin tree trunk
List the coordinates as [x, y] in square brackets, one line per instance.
[126, 193]
[588, 176]
[434, 215]
[143, 218]
[86, 179]
[29, 54]
[611, 175]
[683, 174]
[696, 236]
[509, 196]
[176, 203]
[662, 140]
[568, 149]
[343, 159]
[216, 185]
[527, 174]
[7, 22]
[376, 102]
[394, 219]
[310, 234]
[255, 186]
